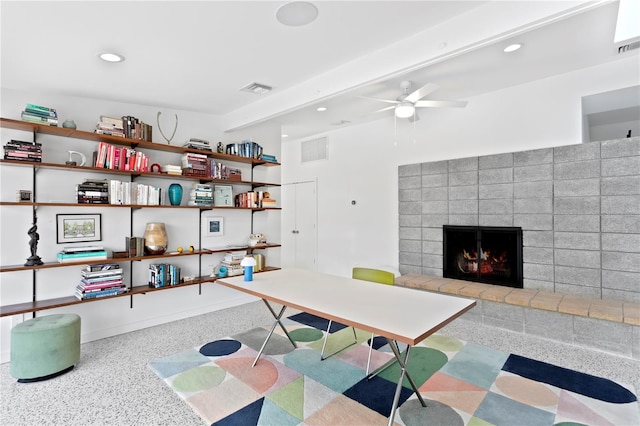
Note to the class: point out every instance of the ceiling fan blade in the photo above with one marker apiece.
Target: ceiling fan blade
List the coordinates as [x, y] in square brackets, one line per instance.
[440, 104]
[384, 109]
[421, 92]
[389, 101]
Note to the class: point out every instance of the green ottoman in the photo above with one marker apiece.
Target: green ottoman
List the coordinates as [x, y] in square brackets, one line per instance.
[45, 347]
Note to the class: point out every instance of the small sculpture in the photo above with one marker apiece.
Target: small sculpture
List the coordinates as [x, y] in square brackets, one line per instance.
[162, 133]
[72, 162]
[257, 240]
[220, 148]
[34, 259]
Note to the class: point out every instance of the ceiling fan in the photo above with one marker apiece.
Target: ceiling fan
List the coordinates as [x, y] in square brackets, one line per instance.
[405, 105]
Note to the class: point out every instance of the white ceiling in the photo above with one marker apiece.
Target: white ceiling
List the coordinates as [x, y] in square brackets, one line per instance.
[196, 55]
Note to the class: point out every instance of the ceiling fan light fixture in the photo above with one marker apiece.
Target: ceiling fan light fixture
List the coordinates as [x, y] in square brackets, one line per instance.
[405, 110]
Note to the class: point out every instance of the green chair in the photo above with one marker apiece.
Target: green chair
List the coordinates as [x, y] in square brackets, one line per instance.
[377, 276]
[366, 274]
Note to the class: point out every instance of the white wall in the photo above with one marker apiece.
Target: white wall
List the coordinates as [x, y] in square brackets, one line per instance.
[363, 159]
[110, 317]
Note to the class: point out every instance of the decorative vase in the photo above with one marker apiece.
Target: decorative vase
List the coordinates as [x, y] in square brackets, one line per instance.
[69, 124]
[175, 194]
[155, 238]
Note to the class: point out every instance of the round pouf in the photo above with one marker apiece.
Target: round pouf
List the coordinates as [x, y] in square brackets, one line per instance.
[45, 347]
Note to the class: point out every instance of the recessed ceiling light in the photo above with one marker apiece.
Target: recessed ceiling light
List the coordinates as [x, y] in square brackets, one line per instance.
[512, 48]
[284, 136]
[297, 13]
[110, 57]
[320, 109]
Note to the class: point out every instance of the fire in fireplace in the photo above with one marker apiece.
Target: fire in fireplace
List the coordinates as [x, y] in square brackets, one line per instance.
[486, 254]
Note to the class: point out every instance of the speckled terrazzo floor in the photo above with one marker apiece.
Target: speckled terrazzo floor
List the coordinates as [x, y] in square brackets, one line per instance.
[113, 385]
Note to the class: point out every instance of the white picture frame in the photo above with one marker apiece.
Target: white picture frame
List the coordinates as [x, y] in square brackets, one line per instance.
[214, 226]
[223, 196]
[78, 228]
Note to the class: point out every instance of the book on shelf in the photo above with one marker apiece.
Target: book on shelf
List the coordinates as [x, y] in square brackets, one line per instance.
[101, 293]
[37, 119]
[163, 275]
[83, 255]
[196, 143]
[246, 148]
[24, 145]
[172, 169]
[76, 249]
[100, 284]
[102, 267]
[109, 273]
[19, 156]
[40, 108]
[79, 258]
[269, 158]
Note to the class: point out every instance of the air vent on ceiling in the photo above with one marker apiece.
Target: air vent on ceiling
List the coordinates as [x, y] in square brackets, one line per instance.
[627, 47]
[313, 150]
[257, 88]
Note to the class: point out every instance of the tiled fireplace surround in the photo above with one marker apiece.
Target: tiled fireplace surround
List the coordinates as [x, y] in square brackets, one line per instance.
[578, 207]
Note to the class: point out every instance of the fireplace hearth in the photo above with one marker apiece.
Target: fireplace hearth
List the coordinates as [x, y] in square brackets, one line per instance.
[486, 254]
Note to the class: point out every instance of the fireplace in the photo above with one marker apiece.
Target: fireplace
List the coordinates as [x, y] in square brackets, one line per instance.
[486, 254]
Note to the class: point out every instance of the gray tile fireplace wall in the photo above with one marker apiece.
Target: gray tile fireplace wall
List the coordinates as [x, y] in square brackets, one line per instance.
[578, 206]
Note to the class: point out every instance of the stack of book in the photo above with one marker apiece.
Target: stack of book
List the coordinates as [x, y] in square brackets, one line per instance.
[254, 199]
[232, 260]
[135, 128]
[195, 143]
[171, 169]
[100, 280]
[201, 194]
[126, 127]
[134, 193]
[81, 254]
[268, 157]
[40, 115]
[218, 170]
[163, 275]
[93, 191]
[120, 158]
[110, 126]
[195, 164]
[247, 148]
[23, 151]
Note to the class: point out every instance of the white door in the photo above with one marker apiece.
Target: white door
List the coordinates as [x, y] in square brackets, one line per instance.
[299, 225]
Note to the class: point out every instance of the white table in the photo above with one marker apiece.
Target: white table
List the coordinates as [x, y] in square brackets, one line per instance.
[397, 313]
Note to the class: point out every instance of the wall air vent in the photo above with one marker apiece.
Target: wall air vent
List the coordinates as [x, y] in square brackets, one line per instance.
[313, 150]
[627, 47]
[257, 88]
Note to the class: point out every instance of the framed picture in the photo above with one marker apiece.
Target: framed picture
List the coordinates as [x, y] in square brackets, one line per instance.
[223, 196]
[79, 228]
[214, 226]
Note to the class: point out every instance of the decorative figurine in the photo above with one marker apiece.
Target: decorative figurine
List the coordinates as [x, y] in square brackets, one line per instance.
[34, 259]
[220, 148]
[162, 133]
[72, 162]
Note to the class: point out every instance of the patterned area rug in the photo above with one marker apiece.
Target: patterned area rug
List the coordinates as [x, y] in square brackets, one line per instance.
[462, 383]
